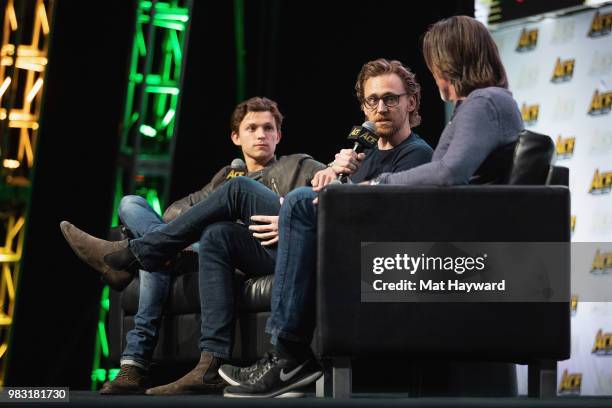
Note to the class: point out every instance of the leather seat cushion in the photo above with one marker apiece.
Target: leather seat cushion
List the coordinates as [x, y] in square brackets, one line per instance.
[253, 294]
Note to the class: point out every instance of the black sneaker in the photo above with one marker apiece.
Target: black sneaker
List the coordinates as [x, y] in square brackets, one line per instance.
[269, 377]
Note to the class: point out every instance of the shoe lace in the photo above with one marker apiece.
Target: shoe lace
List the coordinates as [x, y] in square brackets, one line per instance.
[260, 368]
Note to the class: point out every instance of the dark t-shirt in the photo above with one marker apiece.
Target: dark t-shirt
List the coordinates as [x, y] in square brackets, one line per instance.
[412, 152]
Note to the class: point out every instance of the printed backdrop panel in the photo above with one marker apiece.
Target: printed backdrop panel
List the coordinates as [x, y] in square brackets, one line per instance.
[560, 72]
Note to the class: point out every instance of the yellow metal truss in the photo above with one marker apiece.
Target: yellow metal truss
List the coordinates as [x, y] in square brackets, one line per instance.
[22, 72]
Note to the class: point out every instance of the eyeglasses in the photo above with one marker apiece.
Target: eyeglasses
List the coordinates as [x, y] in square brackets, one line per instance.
[390, 100]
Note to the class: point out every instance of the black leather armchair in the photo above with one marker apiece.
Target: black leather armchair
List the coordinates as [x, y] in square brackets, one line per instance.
[527, 210]
[180, 325]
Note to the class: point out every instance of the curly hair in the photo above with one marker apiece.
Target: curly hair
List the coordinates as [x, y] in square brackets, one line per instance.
[255, 104]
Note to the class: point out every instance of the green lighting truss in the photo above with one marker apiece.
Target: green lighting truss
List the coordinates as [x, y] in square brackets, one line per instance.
[148, 127]
[23, 59]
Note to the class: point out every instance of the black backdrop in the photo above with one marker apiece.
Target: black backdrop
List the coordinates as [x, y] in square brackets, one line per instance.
[304, 55]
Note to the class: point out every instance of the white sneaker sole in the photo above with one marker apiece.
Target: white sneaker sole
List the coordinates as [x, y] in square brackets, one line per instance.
[280, 393]
[227, 379]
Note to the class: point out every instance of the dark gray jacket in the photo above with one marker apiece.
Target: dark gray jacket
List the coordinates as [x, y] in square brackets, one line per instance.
[280, 175]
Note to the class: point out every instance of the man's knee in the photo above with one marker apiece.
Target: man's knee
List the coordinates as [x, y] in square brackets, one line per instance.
[299, 199]
[218, 233]
[240, 183]
[128, 202]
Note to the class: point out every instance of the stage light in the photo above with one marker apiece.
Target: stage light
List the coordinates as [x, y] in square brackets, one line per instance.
[148, 131]
[10, 11]
[103, 340]
[33, 91]
[10, 164]
[153, 200]
[44, 22]
[4, 87]
[168, 117]
[172, 90]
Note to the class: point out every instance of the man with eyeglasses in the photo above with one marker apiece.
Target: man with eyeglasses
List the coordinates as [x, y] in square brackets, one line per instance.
[389, 97]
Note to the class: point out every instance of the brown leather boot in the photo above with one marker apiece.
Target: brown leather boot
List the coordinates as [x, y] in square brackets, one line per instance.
[203, 379]
[96, 253]
[129, 380]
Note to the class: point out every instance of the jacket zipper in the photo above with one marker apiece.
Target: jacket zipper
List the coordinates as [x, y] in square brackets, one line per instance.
[274, 186]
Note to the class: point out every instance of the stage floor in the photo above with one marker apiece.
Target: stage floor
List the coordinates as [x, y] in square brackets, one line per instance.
[93, 399]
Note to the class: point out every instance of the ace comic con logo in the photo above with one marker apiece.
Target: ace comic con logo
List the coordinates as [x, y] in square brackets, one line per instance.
[601, 103]
[563, 71]
[530, 113]
[601, 25]
[565, 147]
[527, 40]
[602, 182]
[602, 263]
[603, 344]
[570, 383]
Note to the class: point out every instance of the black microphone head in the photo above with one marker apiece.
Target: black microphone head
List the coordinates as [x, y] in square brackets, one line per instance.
[371, 126]
[368, 138]
[237, 168]
[238, 164]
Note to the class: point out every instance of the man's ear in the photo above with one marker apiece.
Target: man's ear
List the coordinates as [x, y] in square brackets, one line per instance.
[411, 103]
[236, 139]
[279, 136]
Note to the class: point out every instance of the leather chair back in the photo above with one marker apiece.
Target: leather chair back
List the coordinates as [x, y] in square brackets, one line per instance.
[533, 156]
[524, 162]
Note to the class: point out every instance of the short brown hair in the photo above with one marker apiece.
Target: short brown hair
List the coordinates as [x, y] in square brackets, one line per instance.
[383, 66]
[255, 104]
[463, 51]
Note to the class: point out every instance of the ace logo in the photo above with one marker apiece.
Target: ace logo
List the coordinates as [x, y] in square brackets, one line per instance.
[603, 344]
[565, 147]
[602, 182]
[530, 114]
[601, 103]
[602, 263]
[570, 383]
[528, 40]
[601, 25]
[563, 71]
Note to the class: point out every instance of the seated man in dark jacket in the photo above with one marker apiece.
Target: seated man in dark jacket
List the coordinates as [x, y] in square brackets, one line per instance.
[255, 127]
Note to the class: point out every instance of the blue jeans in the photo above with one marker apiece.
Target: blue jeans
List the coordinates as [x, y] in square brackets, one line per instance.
[228, 246]
[293, 293]
[136, 215]
[223, 246]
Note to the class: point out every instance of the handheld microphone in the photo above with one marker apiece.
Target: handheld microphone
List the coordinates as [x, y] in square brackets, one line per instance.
[238, 168]
[364, 137]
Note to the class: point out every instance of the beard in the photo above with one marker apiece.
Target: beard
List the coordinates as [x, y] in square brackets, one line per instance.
[387, 129]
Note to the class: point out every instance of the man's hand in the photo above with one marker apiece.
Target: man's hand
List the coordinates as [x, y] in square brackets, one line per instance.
[267, 231]
[323, 178]
[347, 161]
